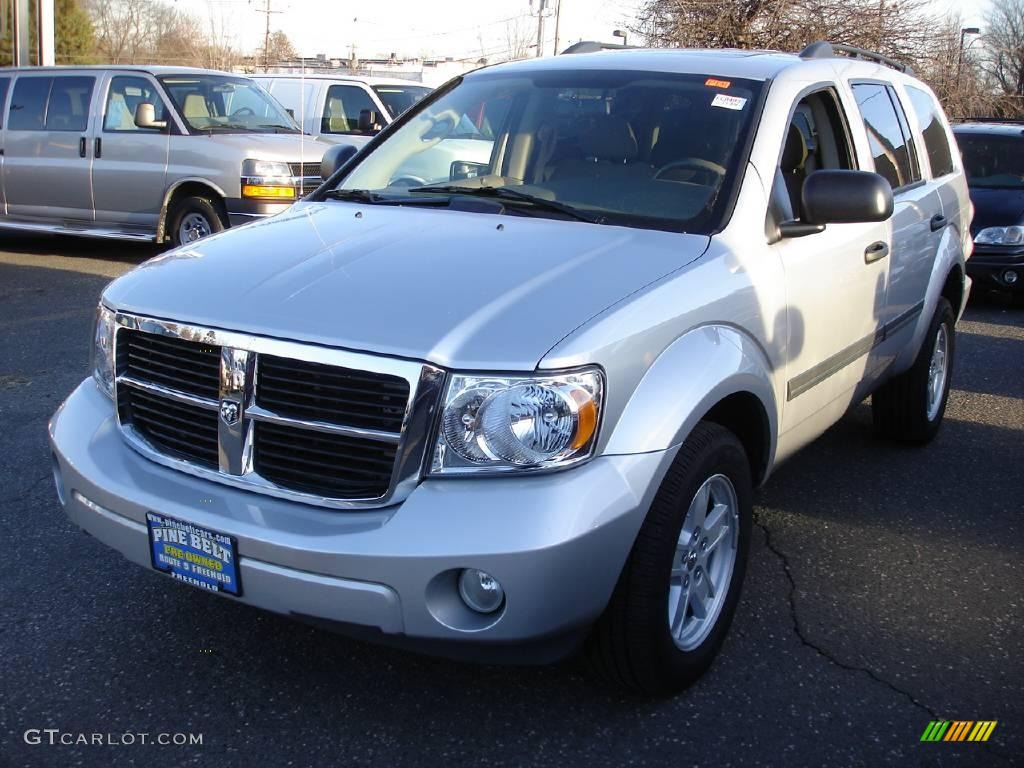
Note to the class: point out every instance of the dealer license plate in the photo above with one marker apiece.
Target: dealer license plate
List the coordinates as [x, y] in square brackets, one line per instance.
[194, 555]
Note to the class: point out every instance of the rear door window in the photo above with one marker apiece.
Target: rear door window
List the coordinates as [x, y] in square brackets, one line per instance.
[341, 112]
[28, 104]
[936, 143]
[892, 148]
[68, 107]
[5, 84]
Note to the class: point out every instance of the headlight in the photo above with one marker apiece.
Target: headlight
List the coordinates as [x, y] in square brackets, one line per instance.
[1000, 236]
[267, 179]
[103, 350]
[518, 423]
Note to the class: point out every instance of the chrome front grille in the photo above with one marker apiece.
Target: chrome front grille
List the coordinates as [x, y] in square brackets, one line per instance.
[325, 426]
[305, 170]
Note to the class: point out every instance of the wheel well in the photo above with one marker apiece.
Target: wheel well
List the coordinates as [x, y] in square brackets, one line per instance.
[953, 289]
[190, 189]
[743, 414]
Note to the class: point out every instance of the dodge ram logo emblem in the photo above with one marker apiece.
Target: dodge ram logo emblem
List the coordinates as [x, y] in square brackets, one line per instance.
[229, 412]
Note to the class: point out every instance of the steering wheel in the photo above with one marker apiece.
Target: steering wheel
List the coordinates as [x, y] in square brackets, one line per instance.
[242, 112]
[695, 165]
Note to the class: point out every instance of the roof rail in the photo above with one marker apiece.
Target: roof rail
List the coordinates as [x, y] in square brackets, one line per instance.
[592, 46]
[826, 50]
[1010, 120]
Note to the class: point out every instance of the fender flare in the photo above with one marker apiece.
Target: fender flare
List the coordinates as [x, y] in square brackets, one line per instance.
[693, 374]
[161, 227]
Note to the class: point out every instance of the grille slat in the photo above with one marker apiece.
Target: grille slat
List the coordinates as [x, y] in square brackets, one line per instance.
[186, 366]
[305, 169]
[177, 428]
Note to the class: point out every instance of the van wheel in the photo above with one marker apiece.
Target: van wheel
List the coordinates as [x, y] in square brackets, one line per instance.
[678, 591]
[193, 218]
[909, 407]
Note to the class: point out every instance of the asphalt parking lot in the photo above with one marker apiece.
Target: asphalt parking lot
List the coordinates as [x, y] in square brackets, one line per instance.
[885, 591]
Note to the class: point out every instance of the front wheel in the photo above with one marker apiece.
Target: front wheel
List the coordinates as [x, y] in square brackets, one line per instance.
[677, 593]
[909, 407]
[193, 218]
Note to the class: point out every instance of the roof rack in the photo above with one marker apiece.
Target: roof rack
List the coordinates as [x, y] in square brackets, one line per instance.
[592, 46]
[826, 50]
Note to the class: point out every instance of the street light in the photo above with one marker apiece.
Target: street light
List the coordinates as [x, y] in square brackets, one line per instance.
[620, 33]
[960, 58]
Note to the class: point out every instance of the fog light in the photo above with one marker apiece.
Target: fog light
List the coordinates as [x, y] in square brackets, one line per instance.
[480, 591]
[1009, 277]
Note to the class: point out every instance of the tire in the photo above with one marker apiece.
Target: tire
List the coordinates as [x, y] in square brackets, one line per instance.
[196, 215]
[632, 644]
[907, 408]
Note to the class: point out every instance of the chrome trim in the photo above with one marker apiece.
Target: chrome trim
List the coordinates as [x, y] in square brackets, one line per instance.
[262, 414]
[171, 394]
[238, 377]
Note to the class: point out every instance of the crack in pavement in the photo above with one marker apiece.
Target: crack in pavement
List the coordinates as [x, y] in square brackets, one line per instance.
[799, 632]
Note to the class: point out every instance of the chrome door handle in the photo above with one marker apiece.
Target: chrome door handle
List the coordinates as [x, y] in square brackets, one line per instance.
[875, 251]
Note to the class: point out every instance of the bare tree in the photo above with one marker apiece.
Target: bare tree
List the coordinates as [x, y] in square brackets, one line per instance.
[520, 36]
[1003, 60]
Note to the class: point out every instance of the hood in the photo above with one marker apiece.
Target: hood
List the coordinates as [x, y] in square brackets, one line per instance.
[996, 207]
[286, 147]
[459, 289]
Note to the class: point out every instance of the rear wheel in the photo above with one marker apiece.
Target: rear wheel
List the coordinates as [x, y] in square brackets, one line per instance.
[193, 218]
[675, 599]
[909, 407]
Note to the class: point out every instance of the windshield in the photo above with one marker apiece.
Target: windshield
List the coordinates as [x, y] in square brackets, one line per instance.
[992, 160]
[227, 104]
[398, 98]
[647, 149]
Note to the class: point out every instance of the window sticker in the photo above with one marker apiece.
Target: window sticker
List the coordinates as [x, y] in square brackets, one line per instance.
[713, 82]
[728, 102]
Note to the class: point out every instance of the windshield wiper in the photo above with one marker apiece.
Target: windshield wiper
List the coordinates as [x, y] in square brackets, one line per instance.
[374, 198]
[512, 195]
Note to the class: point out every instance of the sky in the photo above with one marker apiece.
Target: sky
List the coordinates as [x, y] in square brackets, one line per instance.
[456, 28]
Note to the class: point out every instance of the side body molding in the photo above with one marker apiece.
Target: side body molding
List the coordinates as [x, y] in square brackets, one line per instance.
[696, 371]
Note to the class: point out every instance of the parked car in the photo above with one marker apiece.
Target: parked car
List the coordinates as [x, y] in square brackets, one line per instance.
[351, 110]
[523, 411]
[145, 153]
[993, 157]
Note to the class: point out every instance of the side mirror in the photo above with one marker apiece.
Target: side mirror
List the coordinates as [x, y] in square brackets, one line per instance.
[461, 170]
[335, 157]
[846, 197]
[369, 121]
[145, 116]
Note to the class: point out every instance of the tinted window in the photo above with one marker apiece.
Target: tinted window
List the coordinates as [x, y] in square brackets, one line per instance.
[992, 160]
[28, 105]
[933, 130]
[341, 112]
[5, 83]
[68, 109]
[890, 148]
[915, 160]
[125, 95]
[398, 98]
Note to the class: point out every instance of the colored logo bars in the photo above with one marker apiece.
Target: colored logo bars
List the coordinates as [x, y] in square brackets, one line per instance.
[958, 730]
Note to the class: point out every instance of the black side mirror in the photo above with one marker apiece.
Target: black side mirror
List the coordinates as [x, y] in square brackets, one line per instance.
[369, 121]
[846, 197]
[335, 157]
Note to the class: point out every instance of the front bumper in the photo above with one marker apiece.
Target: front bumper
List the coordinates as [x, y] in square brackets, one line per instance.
[242, 210]
[990, 266]
[556, 542]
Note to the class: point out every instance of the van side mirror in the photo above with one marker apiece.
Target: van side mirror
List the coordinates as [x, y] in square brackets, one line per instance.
[335, 157]
[369, 121]
[145, 116]
[840, 197]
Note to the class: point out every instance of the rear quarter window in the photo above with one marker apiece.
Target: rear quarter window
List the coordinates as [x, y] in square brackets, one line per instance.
[28, 104]
[892, 148]
[933, 129]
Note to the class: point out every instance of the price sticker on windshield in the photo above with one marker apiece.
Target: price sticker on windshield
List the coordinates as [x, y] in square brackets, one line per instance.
[728, 102]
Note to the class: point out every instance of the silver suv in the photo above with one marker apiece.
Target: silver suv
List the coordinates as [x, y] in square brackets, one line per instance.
[146, 153]
[524, 409]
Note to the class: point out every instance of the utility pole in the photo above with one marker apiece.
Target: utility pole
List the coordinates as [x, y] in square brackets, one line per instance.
[266, 11]
[542, 6]
[558, 22]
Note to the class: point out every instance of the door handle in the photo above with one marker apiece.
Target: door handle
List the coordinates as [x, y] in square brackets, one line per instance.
[81, 146]
[875, 251]
[98, 150]
[938, 222]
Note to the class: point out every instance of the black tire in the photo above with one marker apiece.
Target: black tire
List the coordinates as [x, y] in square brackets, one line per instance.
[631, 645]
[900, 406]
[193, 206]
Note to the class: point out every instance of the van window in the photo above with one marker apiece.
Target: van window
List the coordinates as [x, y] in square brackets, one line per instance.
[124, 96]
[28, 104]
[398, 98]
[70, 98]
[5, 83]
[341, 112]
[935, 141]
[891, 148]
